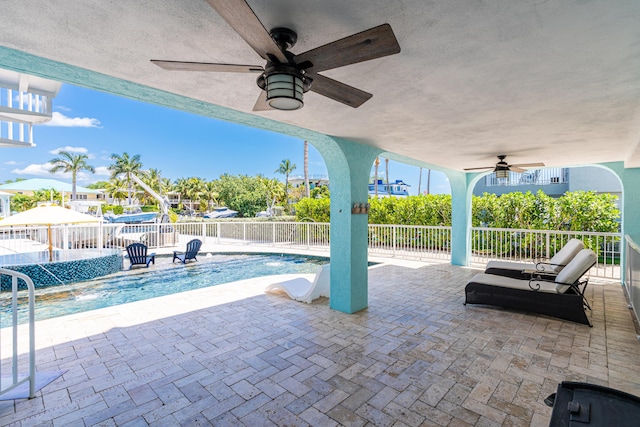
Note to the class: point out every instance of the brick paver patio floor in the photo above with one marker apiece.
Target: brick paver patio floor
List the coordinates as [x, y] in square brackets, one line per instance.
[233, 355]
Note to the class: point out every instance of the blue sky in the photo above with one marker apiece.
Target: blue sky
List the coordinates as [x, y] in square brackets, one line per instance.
[177, 143]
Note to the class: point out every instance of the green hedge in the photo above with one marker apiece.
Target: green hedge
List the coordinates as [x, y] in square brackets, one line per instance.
[577, 211]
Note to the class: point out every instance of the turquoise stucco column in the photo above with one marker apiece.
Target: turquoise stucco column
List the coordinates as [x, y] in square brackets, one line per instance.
[349, 167]
[630, 207]
[631, 203]
[461, 190]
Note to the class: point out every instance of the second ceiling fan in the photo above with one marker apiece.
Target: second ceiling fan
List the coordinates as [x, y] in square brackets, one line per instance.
[502, 168]
[286, 76]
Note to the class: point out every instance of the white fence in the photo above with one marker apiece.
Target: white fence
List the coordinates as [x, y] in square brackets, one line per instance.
[522, 245]
[400, 241]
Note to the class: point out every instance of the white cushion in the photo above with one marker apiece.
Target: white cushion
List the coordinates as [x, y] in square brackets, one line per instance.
[566, 254]
[578, 266]
[508, 282]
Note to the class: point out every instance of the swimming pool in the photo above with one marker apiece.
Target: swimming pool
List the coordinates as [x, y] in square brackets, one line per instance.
[55, 301]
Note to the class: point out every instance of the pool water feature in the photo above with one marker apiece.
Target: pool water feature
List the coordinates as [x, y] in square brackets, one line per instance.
[55, 301]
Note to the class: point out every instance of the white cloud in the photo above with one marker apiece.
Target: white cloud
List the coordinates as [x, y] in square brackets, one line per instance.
[59, 119]
[36, 169]
[11, 163]
[62, 108]
[103, 171]
[70, 150]
[43, 170]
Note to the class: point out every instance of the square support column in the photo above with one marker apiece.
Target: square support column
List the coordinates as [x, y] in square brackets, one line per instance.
[349, 166]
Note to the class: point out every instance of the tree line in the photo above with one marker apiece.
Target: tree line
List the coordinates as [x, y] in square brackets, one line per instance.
[246, 194]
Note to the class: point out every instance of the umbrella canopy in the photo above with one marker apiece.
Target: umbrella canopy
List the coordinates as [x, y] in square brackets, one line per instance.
[48, 215]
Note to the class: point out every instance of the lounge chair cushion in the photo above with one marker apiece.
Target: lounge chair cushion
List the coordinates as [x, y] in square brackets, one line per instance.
[578, 266]
[553, 266]
[510, 282]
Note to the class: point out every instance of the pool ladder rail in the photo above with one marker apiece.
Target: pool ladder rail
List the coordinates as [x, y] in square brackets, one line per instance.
[16, 379]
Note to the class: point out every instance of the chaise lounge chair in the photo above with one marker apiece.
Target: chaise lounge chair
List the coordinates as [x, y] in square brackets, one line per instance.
[303, 290]
[548, 269]
[190, 254]
[562, 298]
[137, 254]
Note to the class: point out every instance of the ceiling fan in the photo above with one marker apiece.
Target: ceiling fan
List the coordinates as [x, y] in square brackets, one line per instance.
[286, 76]
[502, 168]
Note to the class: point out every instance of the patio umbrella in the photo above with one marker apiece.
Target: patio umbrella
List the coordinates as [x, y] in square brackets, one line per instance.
[48, 215]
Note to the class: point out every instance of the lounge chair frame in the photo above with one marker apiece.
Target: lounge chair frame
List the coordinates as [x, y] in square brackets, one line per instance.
[561, 297]
[137, 254]
[570, 305]
[190, 254]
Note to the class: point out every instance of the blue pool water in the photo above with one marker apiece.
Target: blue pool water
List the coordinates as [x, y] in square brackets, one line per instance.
[54, 301]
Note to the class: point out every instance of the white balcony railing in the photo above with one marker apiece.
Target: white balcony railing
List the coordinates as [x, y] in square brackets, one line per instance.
[548, 176]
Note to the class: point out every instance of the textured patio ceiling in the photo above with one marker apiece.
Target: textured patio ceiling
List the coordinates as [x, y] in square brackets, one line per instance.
[554, 81]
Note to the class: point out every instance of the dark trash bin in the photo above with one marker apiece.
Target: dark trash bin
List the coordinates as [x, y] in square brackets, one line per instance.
[578, 404]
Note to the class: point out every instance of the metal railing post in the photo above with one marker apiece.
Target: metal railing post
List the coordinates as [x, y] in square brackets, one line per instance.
[394, 235]
[548, 235]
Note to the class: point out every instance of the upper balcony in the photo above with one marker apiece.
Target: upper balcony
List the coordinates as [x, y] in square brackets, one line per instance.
[25, 100]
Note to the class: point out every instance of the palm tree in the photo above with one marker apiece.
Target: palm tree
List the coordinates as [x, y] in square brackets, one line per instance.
[195, 188]
[375, 181]
[306, 168]
[116, 189]
[386, 165]
[210, 193]
[152, 178]
[125, 165]
[286, 167]
[70, 162]
[181, 186]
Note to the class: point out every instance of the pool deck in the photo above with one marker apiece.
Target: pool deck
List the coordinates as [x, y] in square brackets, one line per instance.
[233, 355]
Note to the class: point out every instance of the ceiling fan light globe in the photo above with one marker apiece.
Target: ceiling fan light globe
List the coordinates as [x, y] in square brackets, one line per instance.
[284, 91]
[502, 173]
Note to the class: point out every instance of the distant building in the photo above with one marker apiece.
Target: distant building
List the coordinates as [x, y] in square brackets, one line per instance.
[5, 204]
[552, 181]
[314, 181]
[28, 186]
[395, 189]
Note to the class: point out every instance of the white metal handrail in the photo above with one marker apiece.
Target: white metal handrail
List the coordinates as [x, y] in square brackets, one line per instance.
[632, 274]
[15, 380]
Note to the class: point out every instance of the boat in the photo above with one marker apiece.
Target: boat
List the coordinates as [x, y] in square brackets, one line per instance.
[221, 212]
[131, 215]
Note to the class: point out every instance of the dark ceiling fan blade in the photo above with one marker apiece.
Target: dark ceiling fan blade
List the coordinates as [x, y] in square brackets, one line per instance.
[527, 165]
[261, 102]
[244, 21]
[478, 169]
[348, 95]
[373, 43]
[207, 66]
